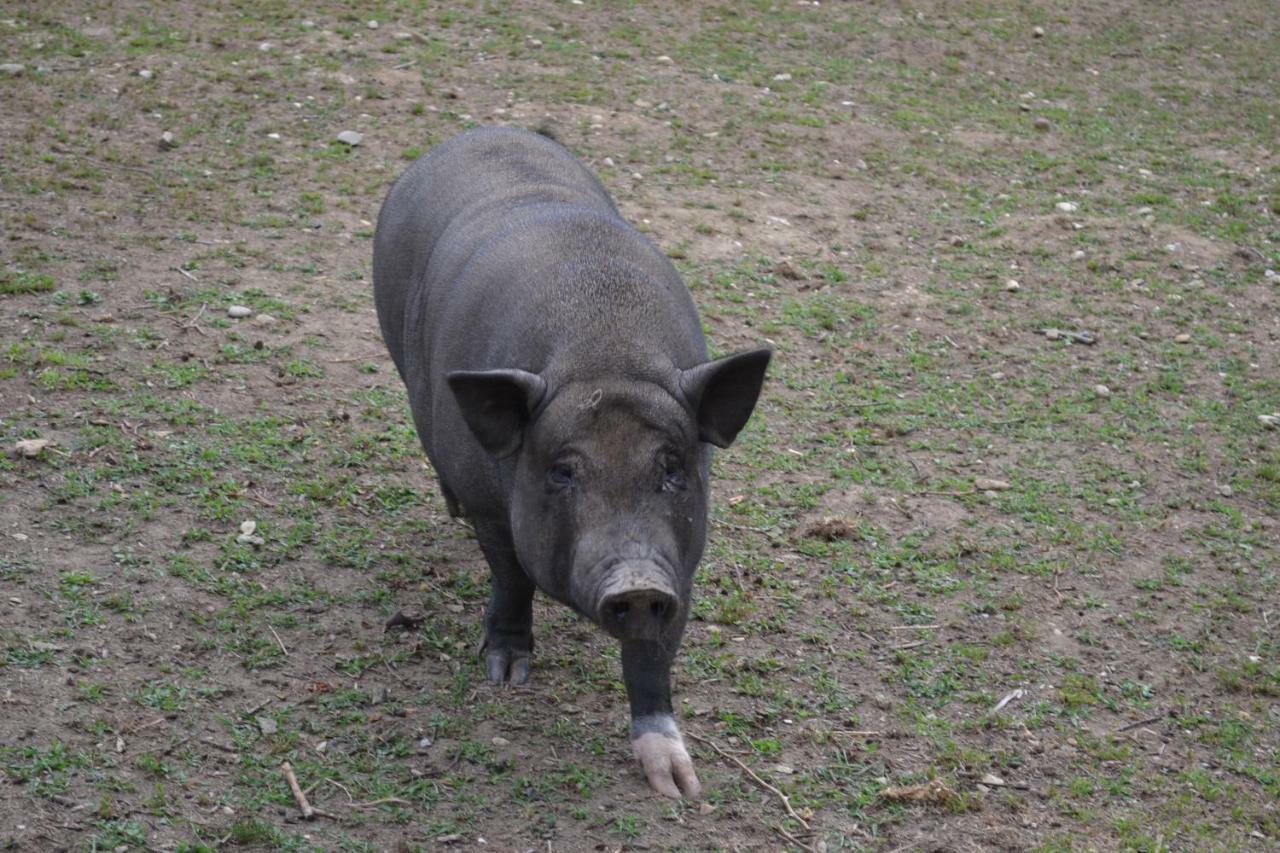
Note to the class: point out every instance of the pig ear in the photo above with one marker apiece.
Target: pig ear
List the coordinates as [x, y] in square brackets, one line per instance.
[723, 393]
[497, 405]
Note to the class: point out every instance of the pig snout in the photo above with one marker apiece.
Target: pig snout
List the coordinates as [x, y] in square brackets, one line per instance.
[637, 601]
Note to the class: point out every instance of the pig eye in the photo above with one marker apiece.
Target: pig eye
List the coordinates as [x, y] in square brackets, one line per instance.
[560, 476]
[672, 476]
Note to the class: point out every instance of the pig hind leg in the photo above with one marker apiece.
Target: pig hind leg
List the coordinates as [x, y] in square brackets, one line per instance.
[508, 622]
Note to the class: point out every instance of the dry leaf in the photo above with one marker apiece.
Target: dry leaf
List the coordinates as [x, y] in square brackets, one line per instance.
[934, 791]
[30, 448]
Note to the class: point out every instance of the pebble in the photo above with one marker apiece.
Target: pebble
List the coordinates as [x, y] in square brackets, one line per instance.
[608, 162]
[1043, 124]
[1067, 206]
[782, 78]
[1078, 255]
[350, 137]
[860, 165]
[1012, 285]
[267, 725]
[373, 25]
[1052, 334]
[1271, 275]
[500, 741]
[30, 448]
[274, 136]
[1038, 32]
[956, 240]
[1183, 338]
[12, 69]
[266, 47]
[264, 320]
[402, 36]
[239, 311]
[146, 74]
[984, 484]
[424, 744]
[665, 60]
[1102, 391]
[1270, 421]
[992, 779]
[1225, 490]
[784, 769]
[167, 141]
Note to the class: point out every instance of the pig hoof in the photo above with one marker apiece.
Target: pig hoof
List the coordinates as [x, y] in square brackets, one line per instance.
[666, 763]
[507, 666]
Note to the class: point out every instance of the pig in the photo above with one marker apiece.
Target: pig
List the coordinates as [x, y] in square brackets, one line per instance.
[561, 387]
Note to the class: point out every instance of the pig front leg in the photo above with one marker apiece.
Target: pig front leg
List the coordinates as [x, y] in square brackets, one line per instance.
[655, 738]
[508, 621]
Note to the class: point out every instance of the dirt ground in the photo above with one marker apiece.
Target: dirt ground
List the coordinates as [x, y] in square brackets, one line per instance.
[993, 568]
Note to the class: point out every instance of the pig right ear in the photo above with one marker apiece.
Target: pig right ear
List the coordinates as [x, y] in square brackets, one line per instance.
[497, 404]
[723, 393]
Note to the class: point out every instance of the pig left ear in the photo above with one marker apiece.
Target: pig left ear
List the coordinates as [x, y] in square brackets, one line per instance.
[723, 393]
[497, 404]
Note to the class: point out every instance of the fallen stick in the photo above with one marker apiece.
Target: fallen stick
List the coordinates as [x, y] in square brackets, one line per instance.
[786, 801]
[308, 813]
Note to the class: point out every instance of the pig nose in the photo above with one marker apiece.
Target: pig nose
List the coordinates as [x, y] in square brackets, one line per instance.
[637, 614]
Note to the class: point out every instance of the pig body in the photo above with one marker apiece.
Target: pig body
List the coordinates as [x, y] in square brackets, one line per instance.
[560, 385]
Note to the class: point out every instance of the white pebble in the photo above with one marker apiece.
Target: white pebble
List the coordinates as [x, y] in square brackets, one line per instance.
[1067, 206]
[373, 25]
[266, 47]
[239, 311]
[1012, 285]
[146, 73]
[350, 137]
[1102, 391]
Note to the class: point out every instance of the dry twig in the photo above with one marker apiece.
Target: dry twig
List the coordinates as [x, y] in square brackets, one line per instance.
[786, 801]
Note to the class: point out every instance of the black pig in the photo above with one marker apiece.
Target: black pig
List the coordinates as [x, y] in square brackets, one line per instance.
[561, 387]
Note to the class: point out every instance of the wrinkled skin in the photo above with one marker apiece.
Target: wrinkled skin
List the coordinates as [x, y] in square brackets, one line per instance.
[561, 387]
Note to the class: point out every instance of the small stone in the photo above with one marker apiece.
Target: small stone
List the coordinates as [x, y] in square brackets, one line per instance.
[267, 725]
[13, 69]
[1025, 107]
[985, 484]
[784, 769]
[956, 240]
[992, 779]
[264, 320]
[1271, 275]
[266, 47]
[608, 162]
[860, 165]
[1037, 32]
[1052, 334]
[30, 448]
[403, 36]
[424, 744]
[167, 141]
[248, 527]
[665, 60]
[1067, 206]
[239, 311]
[146, 74]
[535, 42]
[1077, 255]
[350, 137]
[882, 701]
[274, 136]
[308, 24]
[1183, 338]
[1270, 421]
[1101, 391]
[642, 104]
[500, 741]
[782, 78]
[373, 25]
[1042, 124]
[1012, 285]
[1225, 490]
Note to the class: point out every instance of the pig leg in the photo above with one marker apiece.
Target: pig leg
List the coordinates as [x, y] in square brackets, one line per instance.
[508, 622]
[655, 739]
[450, 500]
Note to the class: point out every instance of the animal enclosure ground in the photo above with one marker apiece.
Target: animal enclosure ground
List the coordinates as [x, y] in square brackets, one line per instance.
[993, 567]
